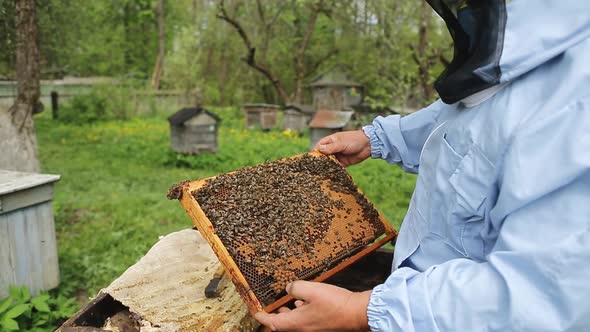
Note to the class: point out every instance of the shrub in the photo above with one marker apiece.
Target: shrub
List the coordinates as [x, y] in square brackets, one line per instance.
[21, 312]
[101, 103]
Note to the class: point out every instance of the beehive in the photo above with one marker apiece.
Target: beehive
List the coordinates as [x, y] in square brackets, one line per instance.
[297, 218]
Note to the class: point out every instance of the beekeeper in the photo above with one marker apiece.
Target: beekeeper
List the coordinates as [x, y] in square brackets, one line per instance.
[497, 234]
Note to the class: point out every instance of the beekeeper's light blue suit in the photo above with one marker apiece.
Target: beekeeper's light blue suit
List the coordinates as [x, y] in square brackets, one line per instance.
[497, 235]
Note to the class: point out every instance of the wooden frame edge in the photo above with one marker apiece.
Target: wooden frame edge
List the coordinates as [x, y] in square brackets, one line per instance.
[199, 219]
[341, 266]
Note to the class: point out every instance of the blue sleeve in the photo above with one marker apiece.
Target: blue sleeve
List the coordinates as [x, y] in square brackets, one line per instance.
[399, 140]
[535, 277]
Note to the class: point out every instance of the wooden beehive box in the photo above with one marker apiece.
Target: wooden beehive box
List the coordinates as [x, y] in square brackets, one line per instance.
[263, 116]
[296, 117]
[335, 91]
[297, 218]
[28, 250]
[193, 130]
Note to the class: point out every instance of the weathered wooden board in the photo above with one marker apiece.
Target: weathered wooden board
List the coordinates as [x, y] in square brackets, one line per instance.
[193, 139]
[28, 251]
[260, 115]
[15, 181]
[295, 120]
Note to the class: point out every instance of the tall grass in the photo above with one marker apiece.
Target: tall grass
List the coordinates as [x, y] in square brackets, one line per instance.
[111, 202]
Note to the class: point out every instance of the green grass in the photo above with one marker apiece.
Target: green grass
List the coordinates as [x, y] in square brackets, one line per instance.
[111, 205]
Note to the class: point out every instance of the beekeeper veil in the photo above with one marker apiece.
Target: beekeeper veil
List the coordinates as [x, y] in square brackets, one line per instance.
[477, 29]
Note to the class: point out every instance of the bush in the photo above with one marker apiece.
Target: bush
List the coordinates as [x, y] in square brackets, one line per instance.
[102, 103]
[21, 312]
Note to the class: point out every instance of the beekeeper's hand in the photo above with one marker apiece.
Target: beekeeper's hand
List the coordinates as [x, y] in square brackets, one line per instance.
[349, 147]
[320, 307]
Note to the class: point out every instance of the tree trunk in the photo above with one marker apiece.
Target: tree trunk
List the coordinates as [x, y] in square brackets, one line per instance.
[300, 56]
[223, 73]
[424, 63]
[159, 67]
[18, 145]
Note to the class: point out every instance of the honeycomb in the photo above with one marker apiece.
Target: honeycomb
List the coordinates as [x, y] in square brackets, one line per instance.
[292, 219]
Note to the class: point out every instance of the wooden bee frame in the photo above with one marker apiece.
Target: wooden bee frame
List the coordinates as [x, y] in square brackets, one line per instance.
[205, 226]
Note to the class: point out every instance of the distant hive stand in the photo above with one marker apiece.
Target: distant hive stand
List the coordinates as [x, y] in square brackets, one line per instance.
[296, 218]
[193, 130]
[262, 116]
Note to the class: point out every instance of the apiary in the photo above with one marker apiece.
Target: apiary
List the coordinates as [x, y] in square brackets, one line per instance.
[299, 218]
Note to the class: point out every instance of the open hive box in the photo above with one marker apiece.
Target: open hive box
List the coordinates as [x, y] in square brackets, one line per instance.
[299, 218]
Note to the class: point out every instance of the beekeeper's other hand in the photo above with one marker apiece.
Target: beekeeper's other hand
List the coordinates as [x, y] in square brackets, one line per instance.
[320, 307]
[349, 147]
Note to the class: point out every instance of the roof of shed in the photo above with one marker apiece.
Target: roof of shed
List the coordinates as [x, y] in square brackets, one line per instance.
[185, 114]
[256, 105]
[334, 78]
[330, 119]
[307, 109]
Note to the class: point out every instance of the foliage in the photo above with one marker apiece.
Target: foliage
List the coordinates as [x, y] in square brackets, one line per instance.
[378, 40]
[91, 37]
[110, 204]
[7, 37]
[22, 312]
[103, 102]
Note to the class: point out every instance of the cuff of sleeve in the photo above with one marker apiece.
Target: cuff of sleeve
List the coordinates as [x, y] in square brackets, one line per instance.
[401, 303]
[376, 145]
[377, 306]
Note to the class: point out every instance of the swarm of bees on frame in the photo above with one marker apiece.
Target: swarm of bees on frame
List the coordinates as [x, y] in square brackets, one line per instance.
[276, 214]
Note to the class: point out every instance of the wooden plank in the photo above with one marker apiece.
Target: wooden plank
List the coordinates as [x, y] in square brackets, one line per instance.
[200, 135]
[48, 247]
[36, 268]
[26, 197]
[14, 181]
[28, 250]
[19, 244]
[200, 140]
[6, 263]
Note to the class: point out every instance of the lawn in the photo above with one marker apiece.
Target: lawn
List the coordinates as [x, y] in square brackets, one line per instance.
[110, 204]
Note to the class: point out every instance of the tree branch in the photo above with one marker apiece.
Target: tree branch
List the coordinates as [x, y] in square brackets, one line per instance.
[414, 56]
[260, 12]
[276, 15]
[300, 53]
[323, 59]
[250, 59]
[225, 17]
[444, 60]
